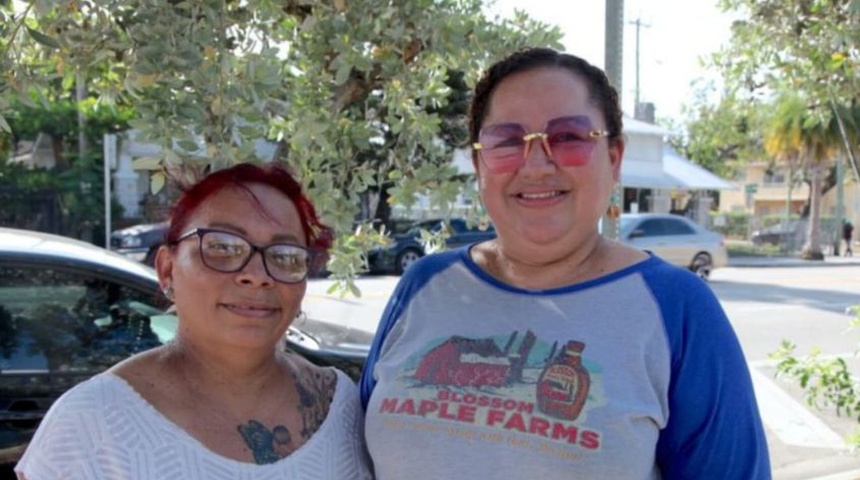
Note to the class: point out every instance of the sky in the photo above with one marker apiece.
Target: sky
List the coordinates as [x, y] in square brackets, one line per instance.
[675, 33]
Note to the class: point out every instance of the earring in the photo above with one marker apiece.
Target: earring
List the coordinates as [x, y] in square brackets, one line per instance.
[614, 210]
[167, 290]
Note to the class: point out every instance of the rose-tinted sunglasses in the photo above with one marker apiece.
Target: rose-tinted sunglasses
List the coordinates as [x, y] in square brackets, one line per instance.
[567, 141]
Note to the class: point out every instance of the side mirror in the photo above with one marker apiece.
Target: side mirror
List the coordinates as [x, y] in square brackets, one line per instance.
[636, 234]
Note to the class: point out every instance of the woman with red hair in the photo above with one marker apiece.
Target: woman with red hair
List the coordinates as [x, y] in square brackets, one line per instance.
[223, 399]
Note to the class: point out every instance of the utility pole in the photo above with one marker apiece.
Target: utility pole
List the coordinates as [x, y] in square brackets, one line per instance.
[614, 42]
[613, 60]
[638, 23]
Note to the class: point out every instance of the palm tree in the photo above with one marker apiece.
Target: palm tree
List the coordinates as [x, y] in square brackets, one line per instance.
[805, 137]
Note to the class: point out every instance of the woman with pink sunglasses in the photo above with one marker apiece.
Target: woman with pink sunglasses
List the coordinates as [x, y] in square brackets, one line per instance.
[552, 351]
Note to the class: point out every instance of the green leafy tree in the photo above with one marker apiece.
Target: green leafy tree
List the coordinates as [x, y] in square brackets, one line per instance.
[719, 136]
[77, 180]
[327, 80]
[805, 46]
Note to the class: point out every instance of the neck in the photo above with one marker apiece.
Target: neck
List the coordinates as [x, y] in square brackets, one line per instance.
[231, 390]
[224, 370]
[523, 269]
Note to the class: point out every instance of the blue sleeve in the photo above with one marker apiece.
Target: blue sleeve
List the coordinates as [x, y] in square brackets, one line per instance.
[411, 282]
[389, 316]
[714, 428]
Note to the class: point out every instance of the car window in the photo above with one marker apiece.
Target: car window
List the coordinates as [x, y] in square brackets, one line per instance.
[651, 228]
[458, 225]
[73, 322]
[673, 226]
[431, 226]
[654, 227]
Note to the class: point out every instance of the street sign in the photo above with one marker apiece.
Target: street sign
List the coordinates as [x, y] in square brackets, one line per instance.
[751, 187]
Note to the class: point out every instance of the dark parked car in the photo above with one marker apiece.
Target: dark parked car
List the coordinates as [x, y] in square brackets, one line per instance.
[69, 310]
[783, 233]
[139, 242]
[406, 248]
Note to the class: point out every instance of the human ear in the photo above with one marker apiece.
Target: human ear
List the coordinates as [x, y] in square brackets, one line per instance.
[616, 154]
[164, 266]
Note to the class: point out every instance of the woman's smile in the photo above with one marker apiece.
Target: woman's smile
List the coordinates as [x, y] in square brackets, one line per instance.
[251, 309]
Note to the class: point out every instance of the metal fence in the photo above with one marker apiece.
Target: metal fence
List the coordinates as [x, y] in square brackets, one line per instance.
[39, 210]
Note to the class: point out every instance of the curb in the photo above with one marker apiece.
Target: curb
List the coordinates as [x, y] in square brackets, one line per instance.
[851, 475]
[767, 262]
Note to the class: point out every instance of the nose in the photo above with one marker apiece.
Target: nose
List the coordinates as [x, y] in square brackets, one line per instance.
[541, 160]
[255, 272]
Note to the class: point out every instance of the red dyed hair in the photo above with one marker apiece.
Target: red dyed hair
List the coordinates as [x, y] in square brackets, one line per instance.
[317, 236]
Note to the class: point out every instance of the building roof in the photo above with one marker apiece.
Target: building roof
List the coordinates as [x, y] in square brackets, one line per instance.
[631, 125]
[637, 173]
[692, 176]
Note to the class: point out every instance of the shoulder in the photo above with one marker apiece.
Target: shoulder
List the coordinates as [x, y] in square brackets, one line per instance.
[422, 273]
[144, 365]
[154, 377]
[619, 257]
[90, 395]
[429, 265]
[670, 281]
[314, 383]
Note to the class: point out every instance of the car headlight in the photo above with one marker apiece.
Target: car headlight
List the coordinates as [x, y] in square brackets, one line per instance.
[130, 242]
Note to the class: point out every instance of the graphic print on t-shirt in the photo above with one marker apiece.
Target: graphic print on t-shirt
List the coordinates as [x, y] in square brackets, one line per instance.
[524, 386]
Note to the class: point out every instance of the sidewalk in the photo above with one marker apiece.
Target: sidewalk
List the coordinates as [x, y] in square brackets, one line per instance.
[789, 261]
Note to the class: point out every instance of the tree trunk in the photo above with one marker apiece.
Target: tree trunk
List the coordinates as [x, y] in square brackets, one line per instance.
[812, 247]
[383, 208]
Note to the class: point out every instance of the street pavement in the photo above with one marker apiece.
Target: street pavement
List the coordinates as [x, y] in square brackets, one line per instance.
[363, 313]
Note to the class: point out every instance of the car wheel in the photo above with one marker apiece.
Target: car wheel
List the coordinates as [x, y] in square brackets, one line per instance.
[406, 259]
[702, 265]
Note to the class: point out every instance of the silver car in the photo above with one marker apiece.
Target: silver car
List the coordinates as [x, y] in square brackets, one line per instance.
[676, 239]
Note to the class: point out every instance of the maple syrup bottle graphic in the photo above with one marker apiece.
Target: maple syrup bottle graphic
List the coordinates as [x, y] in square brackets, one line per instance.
[563, 385]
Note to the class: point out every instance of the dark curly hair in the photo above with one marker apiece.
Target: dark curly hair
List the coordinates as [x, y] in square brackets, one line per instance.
[602, 94]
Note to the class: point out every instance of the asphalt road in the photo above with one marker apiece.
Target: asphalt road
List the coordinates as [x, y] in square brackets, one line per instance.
[800, 302]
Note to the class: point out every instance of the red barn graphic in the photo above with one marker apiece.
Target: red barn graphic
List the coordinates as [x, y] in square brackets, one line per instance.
[467, 362]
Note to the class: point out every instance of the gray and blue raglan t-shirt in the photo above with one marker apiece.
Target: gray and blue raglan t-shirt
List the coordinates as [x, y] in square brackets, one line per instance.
[634, 375]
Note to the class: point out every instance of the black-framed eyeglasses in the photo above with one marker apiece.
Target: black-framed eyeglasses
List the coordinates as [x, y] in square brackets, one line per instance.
[228, 252]
[567, 141]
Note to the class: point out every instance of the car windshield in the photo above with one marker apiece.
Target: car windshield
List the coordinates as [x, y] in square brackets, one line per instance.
[431, 226]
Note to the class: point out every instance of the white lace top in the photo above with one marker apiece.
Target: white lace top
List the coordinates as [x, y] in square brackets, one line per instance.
[102, 429]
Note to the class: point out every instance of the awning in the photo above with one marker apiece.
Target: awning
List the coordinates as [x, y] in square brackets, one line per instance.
[644, 174]
[690, 175]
